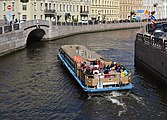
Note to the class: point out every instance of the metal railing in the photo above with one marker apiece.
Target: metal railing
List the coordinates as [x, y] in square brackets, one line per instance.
[159, 43]
[8, 28]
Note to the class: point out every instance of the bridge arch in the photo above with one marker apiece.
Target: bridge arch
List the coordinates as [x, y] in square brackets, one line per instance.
[35, 30]
[35, 35]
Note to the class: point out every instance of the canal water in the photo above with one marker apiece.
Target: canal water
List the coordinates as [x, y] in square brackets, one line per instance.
[34, 85]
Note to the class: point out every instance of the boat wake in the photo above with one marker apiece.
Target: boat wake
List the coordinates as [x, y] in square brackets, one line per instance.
[139, 99]
[114, 97]
[117, 97]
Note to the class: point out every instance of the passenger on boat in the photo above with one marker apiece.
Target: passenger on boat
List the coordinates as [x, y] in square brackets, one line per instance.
[96, 71]
[112, 65]
[122, 73]
[91, 66]
[88, 71]
[85, 65]
[104, 67]
[97, 64]
[112, 70]
[108, 67]
[106, 73]
[96, 75]
[124, 70]
[101, 73]
[115, 66]
[119, 68]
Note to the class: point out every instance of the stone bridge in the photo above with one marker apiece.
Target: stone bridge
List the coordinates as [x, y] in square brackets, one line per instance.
[17, 37]
[23, 34]
[35, 30]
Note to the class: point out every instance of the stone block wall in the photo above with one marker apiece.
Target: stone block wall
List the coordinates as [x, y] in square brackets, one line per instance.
[152, 58]
[63, 31]
[11, 41]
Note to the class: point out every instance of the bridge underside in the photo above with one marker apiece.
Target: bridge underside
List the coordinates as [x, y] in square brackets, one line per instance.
[35, 35]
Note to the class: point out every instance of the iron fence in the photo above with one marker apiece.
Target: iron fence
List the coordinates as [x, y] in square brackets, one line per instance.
[159, 43]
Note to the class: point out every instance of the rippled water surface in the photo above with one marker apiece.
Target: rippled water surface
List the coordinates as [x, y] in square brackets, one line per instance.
[34, 85]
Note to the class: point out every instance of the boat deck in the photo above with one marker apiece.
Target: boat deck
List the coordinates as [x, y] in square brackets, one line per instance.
[91, 81]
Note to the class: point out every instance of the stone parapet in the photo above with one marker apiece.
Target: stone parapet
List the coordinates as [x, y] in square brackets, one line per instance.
[11, 41]
[63, 31]
[15, 39]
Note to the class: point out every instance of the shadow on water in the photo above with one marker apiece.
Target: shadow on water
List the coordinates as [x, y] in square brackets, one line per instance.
[35, 44]
[150, 77]
[155, 84]
[34, 48]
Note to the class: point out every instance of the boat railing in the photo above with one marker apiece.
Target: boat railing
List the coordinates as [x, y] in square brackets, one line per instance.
[147, 39]
[158, 43]
[111, 79]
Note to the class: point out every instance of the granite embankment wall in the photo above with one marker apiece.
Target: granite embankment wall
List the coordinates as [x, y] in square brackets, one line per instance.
[151, 58]
[17, 39]
[56, 32]
[12, 41]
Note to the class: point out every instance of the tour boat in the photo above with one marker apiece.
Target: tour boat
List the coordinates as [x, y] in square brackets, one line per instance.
[92, 72]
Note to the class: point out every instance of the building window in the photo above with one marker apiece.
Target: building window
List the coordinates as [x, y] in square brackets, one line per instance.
[87, 8]
[35, 6]
[77, 8]
[12, 6]
[50, 6]
[54, 6]
[41, 17]
[24, 7]
[67, 9]
[60, 7]
[41, 6]
[70, 7]
[73, 8]
[24, 17]
[35, 17]
[4, 6]
[4, 16]
[64, 7]
[57, 7]
[46, 6]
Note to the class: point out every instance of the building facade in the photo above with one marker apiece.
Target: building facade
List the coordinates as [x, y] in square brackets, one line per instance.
[137, 5]
[165, 7]
[125, 8]
[60, 10]
[76, 10]
[104, 10]
[155, 5]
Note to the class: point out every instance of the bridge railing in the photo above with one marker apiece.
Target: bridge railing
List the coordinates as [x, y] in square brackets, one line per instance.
[104, 22]
[89, 23]
[22, 26]
[159, 43]
[34, 23]
[9, 28]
